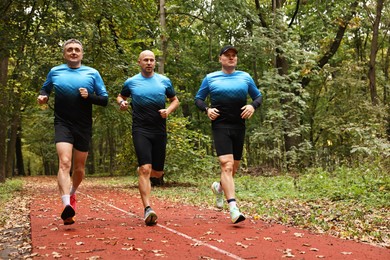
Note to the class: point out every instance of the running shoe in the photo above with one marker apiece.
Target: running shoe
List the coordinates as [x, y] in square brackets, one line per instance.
[236, 215]
[156, 182]
[73, 201]
[218, 195]
[150, 217]
[68, 214]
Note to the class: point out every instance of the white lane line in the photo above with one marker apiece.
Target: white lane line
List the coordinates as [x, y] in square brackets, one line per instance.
[198, 242]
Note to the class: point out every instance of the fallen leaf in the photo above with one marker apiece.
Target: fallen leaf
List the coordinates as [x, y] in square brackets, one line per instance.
[241, 244]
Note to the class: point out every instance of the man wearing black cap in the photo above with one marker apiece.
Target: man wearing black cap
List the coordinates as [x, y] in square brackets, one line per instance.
[228, 90]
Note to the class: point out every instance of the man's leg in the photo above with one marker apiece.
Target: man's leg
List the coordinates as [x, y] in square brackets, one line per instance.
[64, 151]
[144, 172]
[79, 160]
[144, 186]
[228, 168]
[227, 164]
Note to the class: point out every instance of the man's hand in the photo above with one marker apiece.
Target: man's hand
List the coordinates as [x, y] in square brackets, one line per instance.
[164, 113]
[83, 92]
[212, 113]
[123, 105]
[247, 111]
[42, 99]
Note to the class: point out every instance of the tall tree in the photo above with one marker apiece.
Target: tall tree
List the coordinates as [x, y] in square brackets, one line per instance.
[373, 53]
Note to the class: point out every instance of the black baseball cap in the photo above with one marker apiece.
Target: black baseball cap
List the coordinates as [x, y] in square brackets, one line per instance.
[226, 48]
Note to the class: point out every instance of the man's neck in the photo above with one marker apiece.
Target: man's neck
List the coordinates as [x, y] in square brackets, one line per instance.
[228, 70]
[147, 74]
[74, 65]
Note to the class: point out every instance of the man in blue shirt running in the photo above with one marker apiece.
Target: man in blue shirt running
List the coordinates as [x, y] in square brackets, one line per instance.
[148, 91]
[228, 90]
[76, 88]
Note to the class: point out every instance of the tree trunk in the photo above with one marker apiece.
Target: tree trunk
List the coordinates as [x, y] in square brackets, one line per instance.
[19, 154]
[386, 88]
[9, 165]
[374, 50]
[3, 115]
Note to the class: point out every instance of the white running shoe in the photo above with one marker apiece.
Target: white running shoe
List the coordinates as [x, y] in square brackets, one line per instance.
[218, 195]
[236, 215]
[150, 217]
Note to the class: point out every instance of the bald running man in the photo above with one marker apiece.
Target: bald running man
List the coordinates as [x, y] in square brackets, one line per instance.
[148, 91]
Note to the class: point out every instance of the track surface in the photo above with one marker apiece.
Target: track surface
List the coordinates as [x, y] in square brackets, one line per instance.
[109, 225]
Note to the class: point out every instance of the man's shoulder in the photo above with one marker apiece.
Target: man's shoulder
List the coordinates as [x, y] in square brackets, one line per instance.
[160, 76]
[59, 67]
[135, 77]
[88, 68]
[215, 73]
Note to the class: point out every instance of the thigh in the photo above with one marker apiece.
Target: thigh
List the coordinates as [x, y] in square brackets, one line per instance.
[159, 152]
[238, 138]
[79, 159]
[143, 148]
[82, 138]
[222, 142]
[63, 133]
[65, 152]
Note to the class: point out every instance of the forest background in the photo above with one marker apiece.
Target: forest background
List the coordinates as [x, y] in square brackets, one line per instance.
[321, 65]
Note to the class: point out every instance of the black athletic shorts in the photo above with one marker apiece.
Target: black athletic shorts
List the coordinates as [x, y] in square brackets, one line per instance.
[229, 141]
[78, 136]
[150, 149]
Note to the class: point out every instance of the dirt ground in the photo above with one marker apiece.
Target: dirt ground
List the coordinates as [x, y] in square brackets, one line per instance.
[109, 225]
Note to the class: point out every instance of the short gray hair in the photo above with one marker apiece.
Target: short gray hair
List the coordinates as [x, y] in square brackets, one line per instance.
[71, 41]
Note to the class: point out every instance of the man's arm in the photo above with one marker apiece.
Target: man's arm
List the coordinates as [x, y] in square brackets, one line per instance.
[174, 104]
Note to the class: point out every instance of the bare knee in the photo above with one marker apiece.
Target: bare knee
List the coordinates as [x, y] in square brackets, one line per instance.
[227, 167]
[145, 170]
[65, 164]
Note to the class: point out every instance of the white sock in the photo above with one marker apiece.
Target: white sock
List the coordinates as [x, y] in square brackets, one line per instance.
[65, 200]
[232, 204]
[72, 190]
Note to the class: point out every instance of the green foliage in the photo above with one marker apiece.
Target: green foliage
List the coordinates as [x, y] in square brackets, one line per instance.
[332, 117]
[186, 155]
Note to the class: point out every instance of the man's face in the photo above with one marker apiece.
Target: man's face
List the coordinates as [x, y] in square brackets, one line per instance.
[147, 62]
[228, 59]
[73, 54]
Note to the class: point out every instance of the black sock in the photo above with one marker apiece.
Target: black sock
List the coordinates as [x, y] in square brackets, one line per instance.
[230, 200]
[148, 207]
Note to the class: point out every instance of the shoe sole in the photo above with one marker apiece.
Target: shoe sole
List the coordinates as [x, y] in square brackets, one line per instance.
[240, 219]
[67, 215]
[69, 221]
[151, 220]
